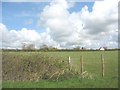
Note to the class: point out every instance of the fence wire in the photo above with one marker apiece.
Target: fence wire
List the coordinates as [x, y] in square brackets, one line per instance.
[99, 66]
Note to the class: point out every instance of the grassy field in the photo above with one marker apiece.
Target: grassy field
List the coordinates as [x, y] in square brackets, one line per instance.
[34, 64]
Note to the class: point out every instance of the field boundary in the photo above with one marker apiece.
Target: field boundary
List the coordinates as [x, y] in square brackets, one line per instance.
[82, 64]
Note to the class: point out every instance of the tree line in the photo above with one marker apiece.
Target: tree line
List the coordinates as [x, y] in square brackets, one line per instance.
[44, 47]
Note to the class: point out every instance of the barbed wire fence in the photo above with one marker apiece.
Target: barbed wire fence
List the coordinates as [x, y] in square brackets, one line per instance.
[79, 64]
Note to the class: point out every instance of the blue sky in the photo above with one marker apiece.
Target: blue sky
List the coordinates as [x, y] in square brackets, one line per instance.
[59, 25]
[19, 15]
[79, 5]
[16, 15]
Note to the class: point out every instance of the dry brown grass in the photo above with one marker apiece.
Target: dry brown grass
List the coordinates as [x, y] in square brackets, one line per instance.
[28, 66]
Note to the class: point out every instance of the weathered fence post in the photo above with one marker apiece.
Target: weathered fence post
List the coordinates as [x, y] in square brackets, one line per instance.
[81, 64]
[69, 62]
[102, 59]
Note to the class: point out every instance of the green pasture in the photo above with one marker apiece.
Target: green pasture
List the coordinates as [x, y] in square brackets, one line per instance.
[91, 64]
[92, 61]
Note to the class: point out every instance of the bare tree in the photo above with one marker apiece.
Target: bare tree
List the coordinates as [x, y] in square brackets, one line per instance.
[44, 47]
[76, 48]
[28, 46]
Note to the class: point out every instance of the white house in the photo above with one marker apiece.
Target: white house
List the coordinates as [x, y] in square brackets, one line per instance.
[102, 48]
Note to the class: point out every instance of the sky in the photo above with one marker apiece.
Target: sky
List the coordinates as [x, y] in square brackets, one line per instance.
[59, 23]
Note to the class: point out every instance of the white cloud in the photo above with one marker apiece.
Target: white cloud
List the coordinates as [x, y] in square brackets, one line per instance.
[26, 0]
[15, 39]
[82, 28]
[66, 30]
[28, 22]
[57, 18]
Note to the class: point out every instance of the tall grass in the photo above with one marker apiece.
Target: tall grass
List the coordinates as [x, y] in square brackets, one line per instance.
[50, 69]
[33, 66]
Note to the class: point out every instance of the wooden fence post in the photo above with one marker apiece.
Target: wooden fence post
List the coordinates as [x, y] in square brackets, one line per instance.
[69, 61]
[81, 64]
[103, 67]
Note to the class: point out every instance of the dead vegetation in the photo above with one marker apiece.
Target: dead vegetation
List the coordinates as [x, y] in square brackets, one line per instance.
[29, 66]
[32, 67]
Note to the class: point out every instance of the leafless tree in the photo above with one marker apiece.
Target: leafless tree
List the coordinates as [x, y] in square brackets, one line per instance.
[27, 46]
